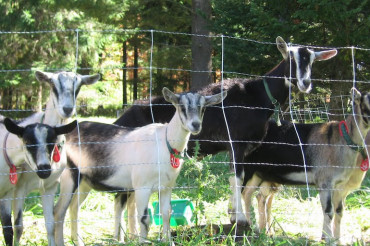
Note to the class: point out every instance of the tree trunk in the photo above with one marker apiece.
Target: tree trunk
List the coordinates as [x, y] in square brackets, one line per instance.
[136, 68]
[7, 98]
[124, 74]
[201, 47]
[16, 99]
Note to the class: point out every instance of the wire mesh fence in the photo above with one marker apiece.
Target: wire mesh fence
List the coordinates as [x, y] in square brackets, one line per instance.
[296, 213]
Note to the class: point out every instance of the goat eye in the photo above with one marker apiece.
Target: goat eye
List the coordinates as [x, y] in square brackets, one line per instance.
[183, 109]
[51, 147]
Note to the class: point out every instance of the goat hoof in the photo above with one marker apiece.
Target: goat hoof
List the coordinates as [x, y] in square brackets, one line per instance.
[239, 220]
[243, 223]
[144, 241]
[168, 242]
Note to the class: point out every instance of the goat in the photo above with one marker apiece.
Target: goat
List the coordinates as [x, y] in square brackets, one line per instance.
[40, 150]
[145, 159]
[332, 163]
[65, 86]
[247, 110]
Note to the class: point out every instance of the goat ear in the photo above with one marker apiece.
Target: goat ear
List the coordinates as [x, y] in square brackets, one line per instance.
[215, 99]
[282, 47]
[356, 95]
[43, 76]
[66, 128]
[13, 127]
[169, 96]
[325, 55]
[90, 79]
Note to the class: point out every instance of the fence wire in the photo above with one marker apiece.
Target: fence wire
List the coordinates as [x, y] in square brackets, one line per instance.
[312, 109]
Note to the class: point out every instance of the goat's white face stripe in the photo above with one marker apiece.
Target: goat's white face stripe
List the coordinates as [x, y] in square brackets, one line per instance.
[42, 150]
[66, 86]
[42, 154]
[303, 58]
[191, 111]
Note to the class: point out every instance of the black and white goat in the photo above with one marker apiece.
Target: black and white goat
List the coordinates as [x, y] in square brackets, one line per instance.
[247, 110]
[61, 105]
[333, 158]
[143, 160]
[37, 149]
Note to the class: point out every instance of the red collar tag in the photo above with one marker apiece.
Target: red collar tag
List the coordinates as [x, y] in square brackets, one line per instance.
[13, 177]
[175, 161]
[56, 154]
[365, 165]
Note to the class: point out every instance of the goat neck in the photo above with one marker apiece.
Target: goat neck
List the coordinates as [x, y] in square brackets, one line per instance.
[357, 133]
[51, 116]
[178, 137]
[277, 80]
[13, 148]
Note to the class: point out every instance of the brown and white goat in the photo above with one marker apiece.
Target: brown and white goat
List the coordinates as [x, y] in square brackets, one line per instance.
[328, 161]
[140, 160]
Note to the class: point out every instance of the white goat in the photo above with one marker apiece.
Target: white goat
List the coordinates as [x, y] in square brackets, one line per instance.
[138, 160]
[335, 164]
[59, 108]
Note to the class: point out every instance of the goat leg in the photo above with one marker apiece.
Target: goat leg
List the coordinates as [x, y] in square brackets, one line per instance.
[142, 199]
[48, 207]
[77, 199]
[6, 218]
[67, 187]
[166, 213]
[249, 189]
[326, 195]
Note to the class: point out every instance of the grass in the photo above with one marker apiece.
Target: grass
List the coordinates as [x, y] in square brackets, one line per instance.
[297, 219]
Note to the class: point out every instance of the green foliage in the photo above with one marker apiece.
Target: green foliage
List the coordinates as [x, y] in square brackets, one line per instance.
[360, 198]
[40, 50]
[207, 180]
[319, 23]
[322, 23]
[33, 205]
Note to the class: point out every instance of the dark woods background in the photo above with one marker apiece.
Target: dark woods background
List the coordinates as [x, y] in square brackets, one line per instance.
[123, 56]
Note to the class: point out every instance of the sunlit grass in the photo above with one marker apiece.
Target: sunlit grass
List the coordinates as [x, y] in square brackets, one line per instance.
[295, 221]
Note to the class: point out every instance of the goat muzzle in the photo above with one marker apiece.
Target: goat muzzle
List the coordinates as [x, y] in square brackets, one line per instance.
[44, 171]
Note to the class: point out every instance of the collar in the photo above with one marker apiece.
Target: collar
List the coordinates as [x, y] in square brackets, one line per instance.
[7, 159]
[274, 102]
[343, 131]
[12, 168]
[172, 150]
[175, 155]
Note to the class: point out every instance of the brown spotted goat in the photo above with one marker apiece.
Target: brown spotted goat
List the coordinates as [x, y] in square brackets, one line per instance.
[333, 159]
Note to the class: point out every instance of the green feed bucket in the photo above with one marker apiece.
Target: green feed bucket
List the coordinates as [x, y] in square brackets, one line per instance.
[182, 213]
